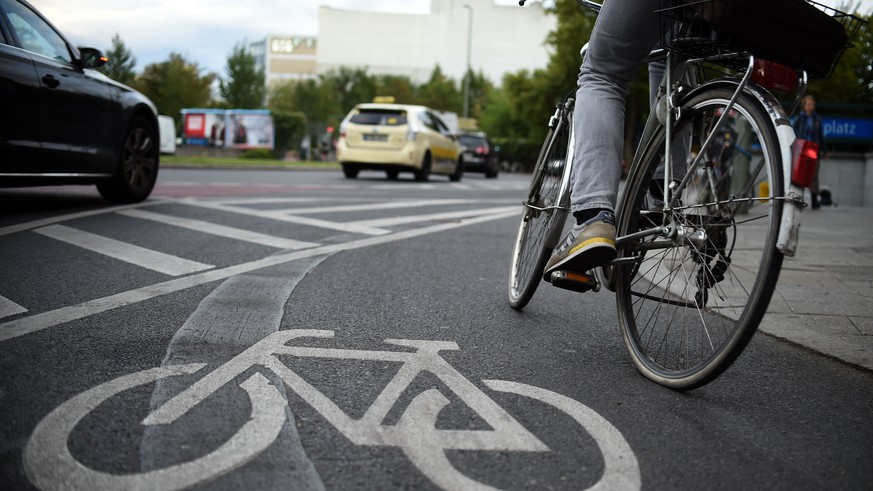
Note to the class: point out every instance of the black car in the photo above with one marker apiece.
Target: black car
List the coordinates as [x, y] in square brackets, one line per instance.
[62, 121]
[479, 155]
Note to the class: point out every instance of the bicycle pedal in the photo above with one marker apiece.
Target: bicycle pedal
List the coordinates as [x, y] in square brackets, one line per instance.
[577, 282]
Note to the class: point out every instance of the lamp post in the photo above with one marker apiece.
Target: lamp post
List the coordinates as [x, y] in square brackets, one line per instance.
[469, 46]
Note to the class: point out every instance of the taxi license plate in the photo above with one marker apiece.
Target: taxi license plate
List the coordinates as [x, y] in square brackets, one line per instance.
[375, 138]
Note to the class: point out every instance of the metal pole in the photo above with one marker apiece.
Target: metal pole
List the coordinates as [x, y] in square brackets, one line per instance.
[469, 49]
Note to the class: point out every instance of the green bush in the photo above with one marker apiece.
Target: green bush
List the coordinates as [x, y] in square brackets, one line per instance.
[257, 153]
[289, 128]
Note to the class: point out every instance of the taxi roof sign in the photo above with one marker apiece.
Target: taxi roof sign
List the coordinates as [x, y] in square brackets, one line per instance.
[384, 99]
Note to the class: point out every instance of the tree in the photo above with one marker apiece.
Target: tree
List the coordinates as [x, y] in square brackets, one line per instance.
[399, 87]
[440, 92]
[244, 87]
[852, 80]
[121, 62]
[175, 84]
[351, 85]
[480, 92]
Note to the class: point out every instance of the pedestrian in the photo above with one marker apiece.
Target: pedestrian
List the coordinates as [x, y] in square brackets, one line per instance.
[808, 126]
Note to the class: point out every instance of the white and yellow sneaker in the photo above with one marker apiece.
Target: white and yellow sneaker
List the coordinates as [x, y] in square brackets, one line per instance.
[585, 247]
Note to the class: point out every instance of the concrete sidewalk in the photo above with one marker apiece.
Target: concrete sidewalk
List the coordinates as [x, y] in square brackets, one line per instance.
[824, 298]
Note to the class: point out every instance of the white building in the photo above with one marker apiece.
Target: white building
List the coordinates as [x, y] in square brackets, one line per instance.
[505, 38]
[286, 57]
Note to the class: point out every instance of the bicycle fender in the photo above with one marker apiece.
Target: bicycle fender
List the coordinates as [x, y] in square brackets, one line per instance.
[789, 227]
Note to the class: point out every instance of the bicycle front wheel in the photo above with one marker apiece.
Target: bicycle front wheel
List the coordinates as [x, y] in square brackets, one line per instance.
[690, 298]
[542, 218]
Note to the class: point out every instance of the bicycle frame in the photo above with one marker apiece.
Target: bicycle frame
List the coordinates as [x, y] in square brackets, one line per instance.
[676, 67]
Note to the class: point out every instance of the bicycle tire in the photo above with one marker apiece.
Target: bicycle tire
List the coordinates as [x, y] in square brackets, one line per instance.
[682, 324]
[539, 228]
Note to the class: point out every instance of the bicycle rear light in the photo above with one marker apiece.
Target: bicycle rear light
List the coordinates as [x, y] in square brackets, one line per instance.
[805, 154]
[773, 76]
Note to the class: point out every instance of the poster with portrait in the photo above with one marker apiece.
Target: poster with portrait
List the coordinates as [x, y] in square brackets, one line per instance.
[249, 130]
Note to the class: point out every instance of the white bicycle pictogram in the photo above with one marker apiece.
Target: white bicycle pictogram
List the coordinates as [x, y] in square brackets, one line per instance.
[50, 464]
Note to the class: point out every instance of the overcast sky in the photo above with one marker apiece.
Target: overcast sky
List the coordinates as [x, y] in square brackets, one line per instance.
[205, 31]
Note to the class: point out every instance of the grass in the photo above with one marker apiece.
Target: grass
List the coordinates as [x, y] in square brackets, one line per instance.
[229, 162]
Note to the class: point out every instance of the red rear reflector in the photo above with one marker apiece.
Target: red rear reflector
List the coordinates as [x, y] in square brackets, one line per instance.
[805, 154]
[774, 76]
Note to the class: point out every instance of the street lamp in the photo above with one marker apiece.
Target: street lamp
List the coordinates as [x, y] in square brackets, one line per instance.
[469, 46]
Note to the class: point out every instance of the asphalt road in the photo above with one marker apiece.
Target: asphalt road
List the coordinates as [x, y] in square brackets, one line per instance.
[299, 330]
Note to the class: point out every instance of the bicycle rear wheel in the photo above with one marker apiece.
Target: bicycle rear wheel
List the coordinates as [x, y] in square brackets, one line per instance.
[689, 300]
[542, 218]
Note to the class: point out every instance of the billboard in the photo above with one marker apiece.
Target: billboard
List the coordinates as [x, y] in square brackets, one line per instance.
[228, 128]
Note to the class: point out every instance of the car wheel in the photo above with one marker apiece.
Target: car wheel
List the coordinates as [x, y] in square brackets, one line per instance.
[392, 174]
[350, 171]
[138, 163]
[459, 171]
[423, 174]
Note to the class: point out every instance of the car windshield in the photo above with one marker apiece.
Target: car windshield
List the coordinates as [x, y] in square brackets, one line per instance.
[381, 117]
[472, 141]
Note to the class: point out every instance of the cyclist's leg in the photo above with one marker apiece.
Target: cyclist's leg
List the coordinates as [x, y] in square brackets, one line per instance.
[624, 34]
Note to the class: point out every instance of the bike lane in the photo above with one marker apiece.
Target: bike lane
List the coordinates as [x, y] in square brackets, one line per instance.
[407, 291]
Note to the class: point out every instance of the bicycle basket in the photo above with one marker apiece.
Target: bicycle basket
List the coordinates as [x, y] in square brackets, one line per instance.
[802, 34]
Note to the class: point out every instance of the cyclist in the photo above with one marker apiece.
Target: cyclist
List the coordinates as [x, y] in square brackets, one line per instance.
[625, 32]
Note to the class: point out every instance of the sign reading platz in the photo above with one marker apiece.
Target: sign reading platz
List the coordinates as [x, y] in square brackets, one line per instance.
[848, 129]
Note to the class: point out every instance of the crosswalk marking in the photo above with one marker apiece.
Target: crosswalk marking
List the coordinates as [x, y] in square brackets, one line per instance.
[8, 307]
[452, 215]
[349, 227]
[219, 230]
[140, 256]
[373, 206]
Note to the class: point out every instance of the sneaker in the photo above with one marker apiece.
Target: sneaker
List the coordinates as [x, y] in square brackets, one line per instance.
[585, 247]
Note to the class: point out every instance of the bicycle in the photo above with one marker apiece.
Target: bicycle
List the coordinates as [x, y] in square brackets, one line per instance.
[700, 242]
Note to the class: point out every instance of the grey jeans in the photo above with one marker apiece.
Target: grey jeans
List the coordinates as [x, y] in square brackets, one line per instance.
[624, 34]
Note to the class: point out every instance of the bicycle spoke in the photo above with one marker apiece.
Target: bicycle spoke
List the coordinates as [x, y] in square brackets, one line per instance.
[683, 303]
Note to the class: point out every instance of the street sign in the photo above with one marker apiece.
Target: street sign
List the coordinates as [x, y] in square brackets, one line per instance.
[848, 129]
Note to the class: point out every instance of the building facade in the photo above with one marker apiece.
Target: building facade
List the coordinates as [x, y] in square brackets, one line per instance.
[286, 58]
[502, 39]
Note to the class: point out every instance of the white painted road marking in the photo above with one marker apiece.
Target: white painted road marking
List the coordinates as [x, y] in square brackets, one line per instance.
[19, 327]
[373, 206]
[451, 215]
[72, 216]
[50, 465]
[350, 227]
[216, 329]
[219, 230]
[129, 253]
[8, 307]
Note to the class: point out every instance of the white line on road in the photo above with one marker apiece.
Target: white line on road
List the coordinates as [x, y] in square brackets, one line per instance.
[72, 216]
[374, 206]
[129, 253]
[219, 230]
[453, 215]
[8, 307]
[19, 327]
[349, 227]
[260, 201]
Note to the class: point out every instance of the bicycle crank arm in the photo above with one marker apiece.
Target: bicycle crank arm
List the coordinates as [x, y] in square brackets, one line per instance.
[664, 231]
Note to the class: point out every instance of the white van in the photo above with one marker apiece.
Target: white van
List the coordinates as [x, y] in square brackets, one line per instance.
[167, 130]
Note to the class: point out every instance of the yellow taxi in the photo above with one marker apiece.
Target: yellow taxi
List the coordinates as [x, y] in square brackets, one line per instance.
[398, 138]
